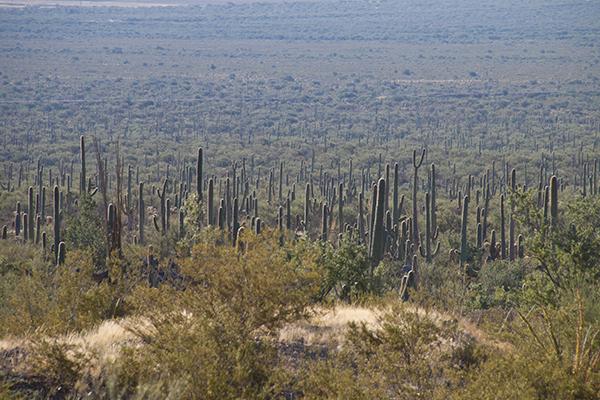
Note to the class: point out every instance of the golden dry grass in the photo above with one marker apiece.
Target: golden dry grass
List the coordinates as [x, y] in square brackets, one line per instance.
[327, 327]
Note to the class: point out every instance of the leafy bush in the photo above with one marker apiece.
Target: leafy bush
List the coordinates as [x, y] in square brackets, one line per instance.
[347, 269]
[408, 356]
[84, 231]
[215, 338]
[54, 299]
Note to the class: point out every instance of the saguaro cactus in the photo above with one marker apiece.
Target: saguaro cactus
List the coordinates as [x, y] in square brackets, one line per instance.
[82, 176]
[430, 236]
[361, 218]
[521, 246]
[162, 195]
[511, 239]
[210, 207]
[288, 214]
[38, 229]
[56, 221]
[60, 254]
[502, 229]
[257, 226]
[141, 213]
[341, 208]
[464, 247]
[378, 235]
[235, 220]
[112, 228]
[395, 209]
[306, 206]
[433, 200]
[25, 227]
[129, 183]
[553, 200]
[30, 214]
[199, 171]
[18, 219]
[324, 225]
[415, 208]
[181, 224]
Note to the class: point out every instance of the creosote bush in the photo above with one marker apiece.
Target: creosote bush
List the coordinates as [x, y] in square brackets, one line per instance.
[215, 338]
[55, 300]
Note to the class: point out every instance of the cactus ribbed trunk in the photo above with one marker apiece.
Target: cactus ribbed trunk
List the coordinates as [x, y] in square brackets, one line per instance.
[61, 254]
[141, 213]
[341, 208]
[56, 221]
[306, 206]
[378, 235]
[210, 207]
[433, 200]
[553, 200]
[464, 247]
[30, 214]
[502, 229]
[324, 225]
[82, 176]
[199, 172]
[415, 208]
[395, 208]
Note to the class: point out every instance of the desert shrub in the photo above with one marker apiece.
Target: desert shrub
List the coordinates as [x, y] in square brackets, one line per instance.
[84, 230]
[496, 283]
[54, 299]
[442, 282]
[59, 367]
[347, 269]
[556, 355]
[214, 339]
[406, 357]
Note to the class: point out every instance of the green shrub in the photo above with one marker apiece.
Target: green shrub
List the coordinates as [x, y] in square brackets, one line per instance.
[214, 339]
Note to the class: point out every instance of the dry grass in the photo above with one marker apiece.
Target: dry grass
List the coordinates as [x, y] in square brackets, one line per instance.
[101, 346]
[329, 326]
[326, 329]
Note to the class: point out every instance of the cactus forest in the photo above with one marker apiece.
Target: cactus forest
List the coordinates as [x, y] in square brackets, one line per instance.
[299, 200]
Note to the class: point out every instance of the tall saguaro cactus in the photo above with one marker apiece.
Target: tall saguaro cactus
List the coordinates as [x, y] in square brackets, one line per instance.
[361, 219]
[324, 225]
[210, 207]
[395, 208]
[60, 254]
[306, 206]
[464, 247]
[415, 208]
[162, 195]
[378, 235]
[199, 172]
[430, 236]
[141, 213]
[553, 200]
[30, 214]
[341, 208]
[82, 178]
[56, 221]
[502, 229]
[433, 200]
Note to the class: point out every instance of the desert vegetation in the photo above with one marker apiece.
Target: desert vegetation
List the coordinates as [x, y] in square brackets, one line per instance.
[300, 201]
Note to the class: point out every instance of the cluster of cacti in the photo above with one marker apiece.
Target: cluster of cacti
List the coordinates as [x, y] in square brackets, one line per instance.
[231, 201]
